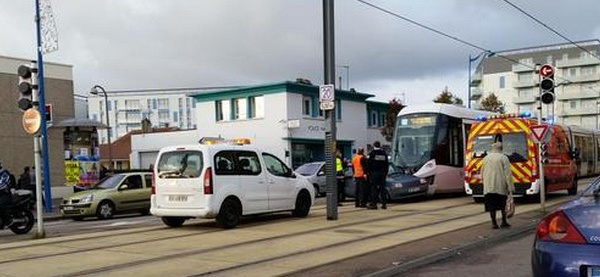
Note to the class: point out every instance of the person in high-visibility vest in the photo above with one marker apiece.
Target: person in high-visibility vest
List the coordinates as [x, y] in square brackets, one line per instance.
[339, 172]
[359, 165]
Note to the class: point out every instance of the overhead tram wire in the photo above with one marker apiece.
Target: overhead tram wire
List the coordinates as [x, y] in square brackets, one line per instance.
[550, 28]
[451, 36]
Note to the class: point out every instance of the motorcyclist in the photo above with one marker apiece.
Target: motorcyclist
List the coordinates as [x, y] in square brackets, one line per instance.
[5, 196]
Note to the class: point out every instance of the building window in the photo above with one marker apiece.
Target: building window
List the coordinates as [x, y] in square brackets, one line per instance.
[306, 106]
[109, 106]
[149, 103]
[256, 106]
[381, 119]
[502, 82]
[338, 109]
[373, 120]
[175, 117]
[219, 110]
[163, 103]
[238, 108]
[154, 103]
[573, 104]
[572, 71]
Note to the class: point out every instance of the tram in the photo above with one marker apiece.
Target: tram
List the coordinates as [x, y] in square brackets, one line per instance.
[429, 142]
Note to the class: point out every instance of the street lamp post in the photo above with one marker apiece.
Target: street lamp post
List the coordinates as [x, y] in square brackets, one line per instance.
[347, 67]
[485, 54]
[95, 91]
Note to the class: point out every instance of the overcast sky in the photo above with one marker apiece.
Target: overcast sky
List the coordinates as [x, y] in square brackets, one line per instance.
[138, 44]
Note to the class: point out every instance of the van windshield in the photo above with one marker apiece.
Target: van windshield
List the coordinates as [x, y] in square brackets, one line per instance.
[180, 164]
[514, 146]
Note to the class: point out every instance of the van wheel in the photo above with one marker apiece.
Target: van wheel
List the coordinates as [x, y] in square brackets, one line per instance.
[106, 210]
[573, 189]
[229, 214]
[172, 221]
[303, 203]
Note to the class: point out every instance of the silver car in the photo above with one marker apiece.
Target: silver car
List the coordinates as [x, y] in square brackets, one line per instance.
[315, 173]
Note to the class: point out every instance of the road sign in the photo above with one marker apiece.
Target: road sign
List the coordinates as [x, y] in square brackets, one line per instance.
[539, 133]
[326, 93]
[32, 121]
[327, 105]
[546, 70]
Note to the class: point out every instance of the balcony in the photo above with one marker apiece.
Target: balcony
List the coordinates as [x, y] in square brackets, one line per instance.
[581, 61]
[476, 93]
[584, 78]
[522, 68]
[576, 95]
[129, 109]
[525, 83]
[476, 78]
[524, 99]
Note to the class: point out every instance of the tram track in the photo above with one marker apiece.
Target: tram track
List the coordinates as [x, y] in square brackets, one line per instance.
[273, 240]
[71, 250]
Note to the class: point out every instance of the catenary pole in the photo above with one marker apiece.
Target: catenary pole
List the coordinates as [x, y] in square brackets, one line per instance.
[329, 55]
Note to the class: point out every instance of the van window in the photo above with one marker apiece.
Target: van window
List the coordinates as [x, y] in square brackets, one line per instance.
[225, 163]
[248, 163]
[275, 166]
[176, 164]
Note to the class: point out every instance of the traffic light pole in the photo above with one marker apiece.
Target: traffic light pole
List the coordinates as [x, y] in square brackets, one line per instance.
[542, 180]
[329, 54]
[42, 109]
[37, 153]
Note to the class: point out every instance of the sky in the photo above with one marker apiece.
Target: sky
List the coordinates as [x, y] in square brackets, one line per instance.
[149, 44]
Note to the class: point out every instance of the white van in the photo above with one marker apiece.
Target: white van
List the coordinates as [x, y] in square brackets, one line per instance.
[224, 181]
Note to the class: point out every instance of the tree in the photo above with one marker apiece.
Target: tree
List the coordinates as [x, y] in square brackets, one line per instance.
[447, 98]
[492, 104]
[390, 119]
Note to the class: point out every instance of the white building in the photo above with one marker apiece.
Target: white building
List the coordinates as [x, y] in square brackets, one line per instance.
[283, 118]
[127, 109]
[577, 74]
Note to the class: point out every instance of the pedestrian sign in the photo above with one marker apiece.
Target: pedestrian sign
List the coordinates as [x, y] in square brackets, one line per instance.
[539, 132]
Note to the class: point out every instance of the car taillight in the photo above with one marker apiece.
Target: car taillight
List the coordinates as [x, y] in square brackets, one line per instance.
[207, 182]
[153, 182]
[557, 227]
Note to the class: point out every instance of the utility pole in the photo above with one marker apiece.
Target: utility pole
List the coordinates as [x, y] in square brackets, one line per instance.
[330, 139]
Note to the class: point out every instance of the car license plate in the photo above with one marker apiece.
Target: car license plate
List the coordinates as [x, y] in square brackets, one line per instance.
[67, 208]
[413, 190]
[178, 198]
[593, 271]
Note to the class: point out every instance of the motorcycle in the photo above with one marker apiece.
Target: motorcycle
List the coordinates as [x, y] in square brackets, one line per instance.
[23, 202]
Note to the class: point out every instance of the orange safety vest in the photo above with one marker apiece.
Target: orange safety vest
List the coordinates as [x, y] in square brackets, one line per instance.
[359, 171]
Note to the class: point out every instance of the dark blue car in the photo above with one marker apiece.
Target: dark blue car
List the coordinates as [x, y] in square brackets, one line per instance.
[567, 241]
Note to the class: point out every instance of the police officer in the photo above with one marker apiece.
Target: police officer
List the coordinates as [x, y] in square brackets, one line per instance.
[378, 166]
[5, 196]
[359, 165]
[339, 174]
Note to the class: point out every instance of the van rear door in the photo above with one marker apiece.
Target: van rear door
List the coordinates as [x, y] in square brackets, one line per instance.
[179, 176]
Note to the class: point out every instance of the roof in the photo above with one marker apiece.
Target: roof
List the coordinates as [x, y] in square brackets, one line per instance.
[79, 122]
[121, 148]
[281, 87]
[448, 109]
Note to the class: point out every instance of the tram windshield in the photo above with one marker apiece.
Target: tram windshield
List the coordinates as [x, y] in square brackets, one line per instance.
[514, 146]
[414, 140]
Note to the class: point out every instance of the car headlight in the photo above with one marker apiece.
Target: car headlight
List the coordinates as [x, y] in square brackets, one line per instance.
[87, 199]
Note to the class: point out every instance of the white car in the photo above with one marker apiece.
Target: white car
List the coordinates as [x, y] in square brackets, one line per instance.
[224, 181]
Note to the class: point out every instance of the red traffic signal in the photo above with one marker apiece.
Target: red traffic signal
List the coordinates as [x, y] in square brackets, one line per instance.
[546, 70]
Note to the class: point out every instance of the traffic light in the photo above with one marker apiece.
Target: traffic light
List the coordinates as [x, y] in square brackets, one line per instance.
[26, 75]
[547, 84]
[544, 153]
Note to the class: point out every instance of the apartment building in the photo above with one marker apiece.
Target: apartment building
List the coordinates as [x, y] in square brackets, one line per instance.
[577, 75]
[126, 110]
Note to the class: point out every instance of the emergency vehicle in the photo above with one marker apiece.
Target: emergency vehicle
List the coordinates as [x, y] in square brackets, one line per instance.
[513, 130]
[225, 180]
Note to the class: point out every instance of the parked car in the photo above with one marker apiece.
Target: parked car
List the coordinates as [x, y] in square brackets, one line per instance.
[315, 173]
[119, 193]
[567, 241]
[399, 185]
[225, 181]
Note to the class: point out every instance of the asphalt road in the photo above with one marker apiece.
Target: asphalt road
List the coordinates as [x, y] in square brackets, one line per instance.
[509, 258]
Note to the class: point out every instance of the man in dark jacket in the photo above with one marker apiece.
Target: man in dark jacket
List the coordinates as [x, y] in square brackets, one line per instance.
[377, 170]
[5, 196]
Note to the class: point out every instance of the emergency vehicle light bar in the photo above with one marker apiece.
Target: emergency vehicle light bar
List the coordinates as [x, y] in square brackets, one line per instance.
[212, 140]
[505, 116]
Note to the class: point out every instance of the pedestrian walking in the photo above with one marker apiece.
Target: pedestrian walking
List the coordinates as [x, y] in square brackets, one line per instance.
[359, 164]
[377, 170]
[497, 183]
[339, 174]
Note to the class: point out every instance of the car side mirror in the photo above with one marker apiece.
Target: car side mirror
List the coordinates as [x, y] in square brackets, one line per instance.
[321, 173]
[124, 187]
